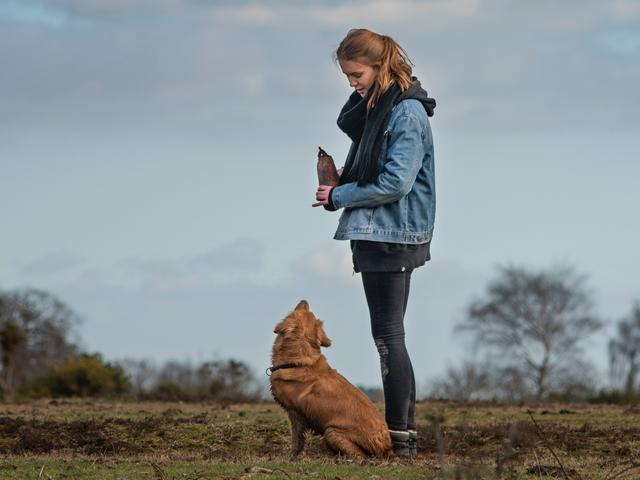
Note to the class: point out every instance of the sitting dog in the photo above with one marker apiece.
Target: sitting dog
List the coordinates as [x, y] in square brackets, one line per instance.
[318, 398]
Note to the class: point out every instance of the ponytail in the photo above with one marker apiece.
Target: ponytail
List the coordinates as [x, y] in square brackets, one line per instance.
[381, 52]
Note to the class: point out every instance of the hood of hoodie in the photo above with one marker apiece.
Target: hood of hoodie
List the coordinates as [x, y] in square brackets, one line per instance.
[415, 91]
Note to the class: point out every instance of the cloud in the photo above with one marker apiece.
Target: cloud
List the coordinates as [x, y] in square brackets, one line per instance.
[624, 42]
[392, 13]
[625, 10]
[236, 318]
[98, 8]
[194, 317]
[202, 70]
[239, 259]
[327, 264]
[250, 14]
[54, 263]
[342, 13]
[12, 11]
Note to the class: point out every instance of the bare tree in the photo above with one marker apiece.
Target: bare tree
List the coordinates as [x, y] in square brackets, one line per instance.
[141, 373]
[224, 380]
[624, 351]
[47, 325]
[533, 323]
[470, 381]
[11, 337]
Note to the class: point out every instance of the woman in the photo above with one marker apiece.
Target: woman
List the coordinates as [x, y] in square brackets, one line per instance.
[387, 190]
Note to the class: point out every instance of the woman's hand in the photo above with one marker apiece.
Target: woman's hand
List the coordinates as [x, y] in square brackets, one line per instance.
[322, 195]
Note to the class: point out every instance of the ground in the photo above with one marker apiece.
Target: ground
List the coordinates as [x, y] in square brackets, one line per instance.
[81, 439]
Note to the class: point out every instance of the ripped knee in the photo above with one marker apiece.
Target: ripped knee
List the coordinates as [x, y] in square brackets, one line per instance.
[383, 351]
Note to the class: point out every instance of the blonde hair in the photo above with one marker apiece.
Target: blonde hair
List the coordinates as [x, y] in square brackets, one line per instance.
[378, 51]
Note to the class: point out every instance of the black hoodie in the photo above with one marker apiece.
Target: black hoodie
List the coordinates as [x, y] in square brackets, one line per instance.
[366, 130]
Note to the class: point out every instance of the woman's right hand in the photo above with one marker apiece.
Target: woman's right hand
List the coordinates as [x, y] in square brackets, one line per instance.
[322, 195]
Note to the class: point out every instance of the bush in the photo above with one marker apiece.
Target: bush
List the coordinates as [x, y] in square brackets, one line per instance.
[614, 397]
[226, 381]
[167, 391]
[83, 376]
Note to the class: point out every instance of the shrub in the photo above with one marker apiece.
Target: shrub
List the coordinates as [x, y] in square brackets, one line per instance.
[83, 376]
[168, 391]
[614, 396]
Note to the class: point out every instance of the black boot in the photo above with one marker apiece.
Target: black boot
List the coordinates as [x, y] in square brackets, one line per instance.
[400, 443]
[413, 443]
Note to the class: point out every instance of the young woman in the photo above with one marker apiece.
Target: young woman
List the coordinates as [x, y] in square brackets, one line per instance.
[387, 191]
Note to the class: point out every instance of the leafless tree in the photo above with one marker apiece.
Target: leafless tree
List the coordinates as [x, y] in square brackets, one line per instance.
[470, 381]
[624, 351]
[230, 380]
[47, 325]
[141, 374]
[11, 337]
[533, 323]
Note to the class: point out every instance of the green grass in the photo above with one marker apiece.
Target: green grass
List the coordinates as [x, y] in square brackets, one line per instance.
[81, 439]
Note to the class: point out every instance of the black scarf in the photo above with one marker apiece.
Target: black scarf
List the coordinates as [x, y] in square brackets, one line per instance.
[366, 131]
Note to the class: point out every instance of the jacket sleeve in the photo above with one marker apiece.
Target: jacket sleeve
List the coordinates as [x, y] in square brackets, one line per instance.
[403, 161]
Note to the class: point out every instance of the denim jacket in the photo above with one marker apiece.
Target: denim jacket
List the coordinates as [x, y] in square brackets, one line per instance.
[400, 207]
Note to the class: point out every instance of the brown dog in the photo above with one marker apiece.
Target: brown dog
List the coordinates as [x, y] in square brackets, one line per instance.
[318, 398]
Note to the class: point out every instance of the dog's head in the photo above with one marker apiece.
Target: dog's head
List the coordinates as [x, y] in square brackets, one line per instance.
[302, 325]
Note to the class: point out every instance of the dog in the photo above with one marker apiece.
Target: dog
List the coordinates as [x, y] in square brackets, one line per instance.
[318, 398]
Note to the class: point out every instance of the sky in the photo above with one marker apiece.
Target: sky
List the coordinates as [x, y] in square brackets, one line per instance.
[157, 166]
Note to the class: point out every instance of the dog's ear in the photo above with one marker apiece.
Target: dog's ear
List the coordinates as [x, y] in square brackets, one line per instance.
[302, 305]
[323, 340]
[284, 327]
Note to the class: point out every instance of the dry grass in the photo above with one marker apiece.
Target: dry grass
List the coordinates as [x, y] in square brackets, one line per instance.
[129, 440]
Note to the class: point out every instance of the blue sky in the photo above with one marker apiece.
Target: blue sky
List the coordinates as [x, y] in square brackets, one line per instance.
[157, 165]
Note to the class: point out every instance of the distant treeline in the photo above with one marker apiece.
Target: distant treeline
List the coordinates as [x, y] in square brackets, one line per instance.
[529, 331]
[39, 358]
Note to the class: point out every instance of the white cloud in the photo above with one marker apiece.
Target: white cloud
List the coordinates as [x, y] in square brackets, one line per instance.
[392, 13]
[54, 263]
[625, 9]
[326, 264]
[349, 13]
[195, 318]
[254, 83]
[622, 41]
[241, 258]
[250, 14]
[32, 14]
[110, 6]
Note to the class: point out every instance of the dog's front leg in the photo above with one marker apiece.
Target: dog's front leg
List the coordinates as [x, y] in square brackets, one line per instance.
[298, 426]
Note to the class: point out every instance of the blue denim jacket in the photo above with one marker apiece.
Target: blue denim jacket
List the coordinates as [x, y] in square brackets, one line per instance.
[401, 206]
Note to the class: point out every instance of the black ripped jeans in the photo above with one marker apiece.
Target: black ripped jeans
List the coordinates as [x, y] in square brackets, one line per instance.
[387, 294]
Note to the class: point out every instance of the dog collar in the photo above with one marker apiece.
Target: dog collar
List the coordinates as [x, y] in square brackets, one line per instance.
[270, 370]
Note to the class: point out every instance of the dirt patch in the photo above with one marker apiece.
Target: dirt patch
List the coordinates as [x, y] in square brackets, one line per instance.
[483, 440]
[238, 433]
[104, 436]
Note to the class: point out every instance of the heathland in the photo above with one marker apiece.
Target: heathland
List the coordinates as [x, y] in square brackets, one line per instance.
[98, 439]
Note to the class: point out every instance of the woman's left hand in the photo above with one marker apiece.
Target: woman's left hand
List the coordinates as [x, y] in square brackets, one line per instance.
[322, 195]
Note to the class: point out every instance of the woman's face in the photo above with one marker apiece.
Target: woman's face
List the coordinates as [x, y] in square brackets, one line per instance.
[359, 75]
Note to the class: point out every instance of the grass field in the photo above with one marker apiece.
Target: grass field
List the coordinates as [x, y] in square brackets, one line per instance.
[80, 439]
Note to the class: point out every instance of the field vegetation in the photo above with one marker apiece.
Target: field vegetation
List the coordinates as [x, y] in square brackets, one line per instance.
[98, 439]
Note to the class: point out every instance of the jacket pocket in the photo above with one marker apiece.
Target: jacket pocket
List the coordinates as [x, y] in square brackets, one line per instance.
[360, 220]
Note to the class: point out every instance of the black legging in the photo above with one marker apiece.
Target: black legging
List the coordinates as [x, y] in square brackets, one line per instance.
[387, 294]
